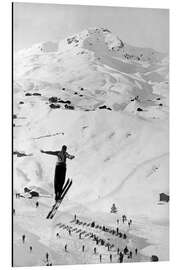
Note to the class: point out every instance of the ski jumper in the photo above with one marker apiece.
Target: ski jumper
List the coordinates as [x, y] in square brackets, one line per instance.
[60, 173]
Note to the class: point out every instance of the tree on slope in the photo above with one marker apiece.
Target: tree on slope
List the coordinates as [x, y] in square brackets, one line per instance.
[113, 208]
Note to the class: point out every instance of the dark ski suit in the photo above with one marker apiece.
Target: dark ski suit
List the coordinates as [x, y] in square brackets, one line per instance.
[60, 170]
[60, 173]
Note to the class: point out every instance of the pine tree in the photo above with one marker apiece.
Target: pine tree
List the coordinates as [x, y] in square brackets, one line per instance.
[113, 208]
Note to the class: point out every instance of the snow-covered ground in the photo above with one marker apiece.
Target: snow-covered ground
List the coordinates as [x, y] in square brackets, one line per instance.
[115, 122]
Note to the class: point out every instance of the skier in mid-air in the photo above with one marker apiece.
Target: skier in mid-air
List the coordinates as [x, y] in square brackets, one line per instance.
[60, 170]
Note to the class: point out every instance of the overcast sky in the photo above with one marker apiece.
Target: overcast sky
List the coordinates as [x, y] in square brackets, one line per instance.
[34, 23]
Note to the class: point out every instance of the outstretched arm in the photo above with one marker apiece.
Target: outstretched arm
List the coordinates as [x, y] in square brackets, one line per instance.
[54, 153]
[69, 156]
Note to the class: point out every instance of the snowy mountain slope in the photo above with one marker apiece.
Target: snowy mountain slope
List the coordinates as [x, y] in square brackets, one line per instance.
[109, 103]
[107, 151]
[90, 69]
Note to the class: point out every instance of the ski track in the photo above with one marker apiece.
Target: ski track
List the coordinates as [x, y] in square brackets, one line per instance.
[139, 166]
[46, 136]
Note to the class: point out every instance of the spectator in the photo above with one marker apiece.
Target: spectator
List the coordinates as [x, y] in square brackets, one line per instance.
[126, 250]
[121, 256]
[130, 255]
[23, 238]
[47, 256]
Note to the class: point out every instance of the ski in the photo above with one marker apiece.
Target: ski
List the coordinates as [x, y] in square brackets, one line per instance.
[57, 204]
[60, 201]
[53, 212]
[67, 182]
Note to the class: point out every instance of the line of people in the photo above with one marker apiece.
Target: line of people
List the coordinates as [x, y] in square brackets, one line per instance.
[98, 241]
[102, 228]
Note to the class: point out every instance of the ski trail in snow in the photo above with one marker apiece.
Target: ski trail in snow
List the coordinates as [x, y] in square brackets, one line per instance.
[23, 174]
[48, 135]
[134, 171]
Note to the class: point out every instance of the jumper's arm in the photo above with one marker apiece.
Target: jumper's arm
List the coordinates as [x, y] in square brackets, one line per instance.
[54, 153]
[69, 156]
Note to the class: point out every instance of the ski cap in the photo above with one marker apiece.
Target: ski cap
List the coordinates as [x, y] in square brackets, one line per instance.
[64, 147]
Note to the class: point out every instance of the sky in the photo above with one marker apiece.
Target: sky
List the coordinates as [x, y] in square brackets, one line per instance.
[142, 27]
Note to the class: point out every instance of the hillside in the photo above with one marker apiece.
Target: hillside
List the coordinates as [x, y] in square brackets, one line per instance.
[92, 69]
[109, 103]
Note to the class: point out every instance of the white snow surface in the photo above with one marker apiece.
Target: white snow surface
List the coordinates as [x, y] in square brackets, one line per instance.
[121, 155]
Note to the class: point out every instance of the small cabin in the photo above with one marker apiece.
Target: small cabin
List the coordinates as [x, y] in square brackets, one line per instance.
[154, 258]
[26, 190]
[36, 94]
[139, 109]
[53, 99]
[54, 106]
[34, 193]
[163, 197]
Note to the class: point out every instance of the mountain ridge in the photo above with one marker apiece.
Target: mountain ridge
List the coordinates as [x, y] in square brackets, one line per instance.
[93, 68]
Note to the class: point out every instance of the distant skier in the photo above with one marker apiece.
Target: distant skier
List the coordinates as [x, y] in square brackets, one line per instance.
[124, 218]
[47, 256]
[126, 250]
[110, 257]
[65, 247]
[60, 170]
[83, 247]
[130, 255]
[121, 256]
[124, 236]
[30, 248]
[37, 204]
[136, 251]
[23, 238]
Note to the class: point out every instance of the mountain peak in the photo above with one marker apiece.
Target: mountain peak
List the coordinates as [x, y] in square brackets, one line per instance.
[98, 30]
